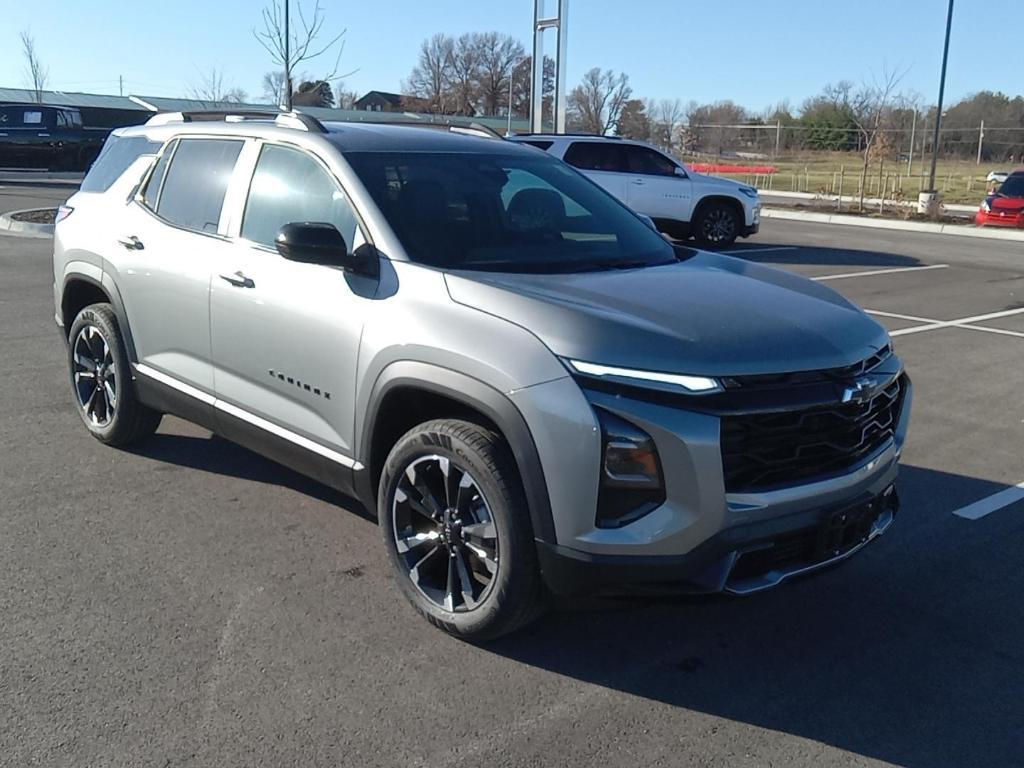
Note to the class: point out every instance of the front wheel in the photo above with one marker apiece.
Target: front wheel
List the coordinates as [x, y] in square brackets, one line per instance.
[717, 225]
[457, 530]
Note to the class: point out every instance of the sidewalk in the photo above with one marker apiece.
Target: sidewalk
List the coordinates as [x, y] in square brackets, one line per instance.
[960, 230]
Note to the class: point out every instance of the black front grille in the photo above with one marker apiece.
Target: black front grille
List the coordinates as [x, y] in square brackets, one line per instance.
[771, 449]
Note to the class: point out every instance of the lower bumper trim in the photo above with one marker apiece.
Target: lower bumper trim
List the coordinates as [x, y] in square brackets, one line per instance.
[709, 566]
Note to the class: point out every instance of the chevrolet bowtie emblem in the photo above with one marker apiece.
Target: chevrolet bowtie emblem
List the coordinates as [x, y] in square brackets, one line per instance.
[865, 388]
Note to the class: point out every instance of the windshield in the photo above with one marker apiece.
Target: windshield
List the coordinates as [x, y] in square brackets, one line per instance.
[1013, 186]
[506, 213]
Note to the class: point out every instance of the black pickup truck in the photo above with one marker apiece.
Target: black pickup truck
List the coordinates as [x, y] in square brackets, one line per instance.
[47, 137]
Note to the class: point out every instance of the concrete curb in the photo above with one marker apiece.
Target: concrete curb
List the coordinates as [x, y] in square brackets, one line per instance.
[24, 228]
[849, 200]
[959, 230]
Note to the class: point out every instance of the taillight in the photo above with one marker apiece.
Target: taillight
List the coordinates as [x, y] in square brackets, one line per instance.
[63, 211]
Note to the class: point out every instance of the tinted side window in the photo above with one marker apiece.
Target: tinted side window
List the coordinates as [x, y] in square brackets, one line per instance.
[596, 156]
[197, 181]
[115, 157]
[538, 143]
[647, 161]
[287, 186]
[151, 196]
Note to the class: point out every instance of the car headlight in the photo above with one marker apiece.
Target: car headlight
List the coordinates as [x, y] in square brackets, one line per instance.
[693, 385]
[749, 191]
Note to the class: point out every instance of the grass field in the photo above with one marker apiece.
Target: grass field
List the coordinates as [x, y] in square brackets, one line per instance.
[960, 181]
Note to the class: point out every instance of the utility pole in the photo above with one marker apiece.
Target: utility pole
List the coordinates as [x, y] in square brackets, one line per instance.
[910, 157]
[288, 60]
[778, 136]
[511, 79]
[942, 92]
[981, 139]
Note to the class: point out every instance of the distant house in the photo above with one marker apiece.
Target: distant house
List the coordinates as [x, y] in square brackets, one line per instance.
[384, 101]
[380, 101]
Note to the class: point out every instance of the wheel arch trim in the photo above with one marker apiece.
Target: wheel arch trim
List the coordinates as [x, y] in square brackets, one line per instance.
[474, 394]
[84, 272]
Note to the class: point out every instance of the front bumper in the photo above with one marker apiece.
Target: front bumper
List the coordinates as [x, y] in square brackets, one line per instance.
[1009, 219]
[741, 560]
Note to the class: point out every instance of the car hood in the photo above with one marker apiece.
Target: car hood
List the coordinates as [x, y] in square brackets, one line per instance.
[1008, 204]
[708, 315]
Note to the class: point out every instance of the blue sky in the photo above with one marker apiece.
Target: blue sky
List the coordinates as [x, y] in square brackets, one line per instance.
[755, 53]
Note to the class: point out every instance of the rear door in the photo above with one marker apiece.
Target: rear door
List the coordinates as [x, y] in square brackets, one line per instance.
[285, 335]
[654, 188]
[25, 136]
[164, 249]
[602, 161]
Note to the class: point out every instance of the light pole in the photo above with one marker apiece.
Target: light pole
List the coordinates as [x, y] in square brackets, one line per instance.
[288, 61]
[938, 114]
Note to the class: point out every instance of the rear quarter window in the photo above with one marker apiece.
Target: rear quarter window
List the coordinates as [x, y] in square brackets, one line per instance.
[117, 154]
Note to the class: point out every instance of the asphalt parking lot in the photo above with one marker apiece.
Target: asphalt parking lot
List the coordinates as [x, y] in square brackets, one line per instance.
[189, 603]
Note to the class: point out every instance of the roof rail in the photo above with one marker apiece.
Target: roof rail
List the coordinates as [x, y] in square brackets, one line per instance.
[574, 135]
[472, 129]
[297, 120]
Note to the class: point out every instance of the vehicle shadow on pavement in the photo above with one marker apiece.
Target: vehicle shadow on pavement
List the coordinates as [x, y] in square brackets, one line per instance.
[211, 453]
[766, 253]
[909, 652]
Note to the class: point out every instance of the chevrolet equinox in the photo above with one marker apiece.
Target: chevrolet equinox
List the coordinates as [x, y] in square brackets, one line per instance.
[535, 391]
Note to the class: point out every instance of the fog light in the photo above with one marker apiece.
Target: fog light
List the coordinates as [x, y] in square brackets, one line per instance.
[631, 478]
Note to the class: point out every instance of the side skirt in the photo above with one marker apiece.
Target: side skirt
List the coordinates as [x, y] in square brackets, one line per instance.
[167, 395]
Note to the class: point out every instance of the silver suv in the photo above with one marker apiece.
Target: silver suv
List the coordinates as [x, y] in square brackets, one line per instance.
[534, 390]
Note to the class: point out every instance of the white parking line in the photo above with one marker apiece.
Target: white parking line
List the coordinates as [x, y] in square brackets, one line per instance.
[963, 322]
[871, 273]
[990, 504]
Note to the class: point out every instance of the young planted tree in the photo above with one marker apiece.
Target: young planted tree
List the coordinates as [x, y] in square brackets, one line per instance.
[305, 41]
[870, 109]
[36, 73]
[596, 104]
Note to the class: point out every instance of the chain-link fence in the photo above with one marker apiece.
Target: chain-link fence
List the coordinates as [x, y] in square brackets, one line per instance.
[830, 160]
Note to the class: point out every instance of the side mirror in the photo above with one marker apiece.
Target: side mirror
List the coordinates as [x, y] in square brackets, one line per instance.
[315, 242]
[680, 172]
[312, 242]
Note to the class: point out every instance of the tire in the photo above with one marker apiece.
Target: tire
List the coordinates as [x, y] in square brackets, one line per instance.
[717, 225]
[111, 410]
[483, 542]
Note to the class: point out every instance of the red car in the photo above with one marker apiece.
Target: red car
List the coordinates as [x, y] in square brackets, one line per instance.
[1004, 208]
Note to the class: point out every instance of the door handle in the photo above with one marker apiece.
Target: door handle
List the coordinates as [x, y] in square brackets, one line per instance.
[639, 182]
[132, 244]
[239, 280]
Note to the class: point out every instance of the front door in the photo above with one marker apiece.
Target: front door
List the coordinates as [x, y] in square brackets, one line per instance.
[655, 186]
[284, 334]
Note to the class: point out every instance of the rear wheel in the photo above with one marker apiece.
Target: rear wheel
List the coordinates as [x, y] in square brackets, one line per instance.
[717, 224]
[101, 381]
[457, 530]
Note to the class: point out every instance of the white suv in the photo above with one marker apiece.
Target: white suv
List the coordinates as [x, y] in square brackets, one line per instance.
[681, 202]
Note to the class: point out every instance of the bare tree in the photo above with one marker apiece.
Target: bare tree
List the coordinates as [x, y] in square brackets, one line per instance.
[429, 79]
[498, 56]
[36, 73]
[212, 92]
[273, 86]
[305, 42]
[596, 103]
[346, 97]
[870, 107]
[666, 120]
